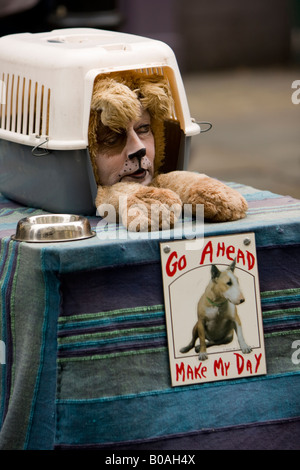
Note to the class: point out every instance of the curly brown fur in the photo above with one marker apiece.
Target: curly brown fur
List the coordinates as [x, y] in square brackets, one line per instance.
[141, 208]
[221, 203]
[117, 104]
[116, 101]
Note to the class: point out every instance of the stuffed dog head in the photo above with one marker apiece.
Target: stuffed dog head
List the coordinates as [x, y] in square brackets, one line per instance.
[118, 100]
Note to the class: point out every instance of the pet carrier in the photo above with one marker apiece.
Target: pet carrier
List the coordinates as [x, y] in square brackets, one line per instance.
[46, 88]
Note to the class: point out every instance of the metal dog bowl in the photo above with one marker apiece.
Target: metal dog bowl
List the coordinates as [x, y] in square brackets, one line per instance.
[53, 228]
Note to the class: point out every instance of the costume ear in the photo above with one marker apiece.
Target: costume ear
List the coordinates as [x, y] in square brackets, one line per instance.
[117, 104]
[232, 266]
[215, 273]
[155, 96]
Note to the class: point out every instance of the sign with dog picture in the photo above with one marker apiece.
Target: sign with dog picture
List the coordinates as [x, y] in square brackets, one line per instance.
[213, 309]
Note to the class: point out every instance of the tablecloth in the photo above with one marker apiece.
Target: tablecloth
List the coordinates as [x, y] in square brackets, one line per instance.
[84, 357]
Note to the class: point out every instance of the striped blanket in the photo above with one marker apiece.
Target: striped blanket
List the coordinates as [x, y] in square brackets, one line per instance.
[84, 357]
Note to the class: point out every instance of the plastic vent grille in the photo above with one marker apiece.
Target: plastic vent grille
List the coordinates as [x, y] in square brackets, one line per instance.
[24, 106]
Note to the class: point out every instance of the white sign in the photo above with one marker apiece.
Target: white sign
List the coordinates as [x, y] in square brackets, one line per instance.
[213, 309]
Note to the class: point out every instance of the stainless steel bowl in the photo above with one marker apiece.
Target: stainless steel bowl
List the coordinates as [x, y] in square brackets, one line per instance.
[53, 228]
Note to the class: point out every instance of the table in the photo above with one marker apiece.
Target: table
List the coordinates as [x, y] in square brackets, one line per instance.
[86, 363]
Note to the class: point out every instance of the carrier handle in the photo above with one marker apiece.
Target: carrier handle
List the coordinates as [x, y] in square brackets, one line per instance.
[209, 126]
[43, 152]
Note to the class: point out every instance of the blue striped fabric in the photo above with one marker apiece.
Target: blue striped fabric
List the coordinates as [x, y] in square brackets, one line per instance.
[119, 361]
[86, 345]
[177, 411]
[8, 266]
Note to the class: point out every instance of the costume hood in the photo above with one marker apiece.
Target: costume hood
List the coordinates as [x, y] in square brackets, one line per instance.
[117, 100]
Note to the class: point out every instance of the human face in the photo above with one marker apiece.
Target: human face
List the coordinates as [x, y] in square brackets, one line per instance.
[127, 156]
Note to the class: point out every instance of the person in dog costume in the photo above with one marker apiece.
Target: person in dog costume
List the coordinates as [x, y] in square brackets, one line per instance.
[127, 145]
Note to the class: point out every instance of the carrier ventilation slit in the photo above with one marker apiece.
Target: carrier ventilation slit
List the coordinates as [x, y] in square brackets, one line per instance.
[24, 105]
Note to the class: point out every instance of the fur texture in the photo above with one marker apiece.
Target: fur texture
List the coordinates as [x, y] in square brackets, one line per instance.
[117, 104]
[116, 101]
[221, 203]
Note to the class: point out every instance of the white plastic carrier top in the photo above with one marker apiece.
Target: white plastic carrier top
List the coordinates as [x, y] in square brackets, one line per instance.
[47, 81]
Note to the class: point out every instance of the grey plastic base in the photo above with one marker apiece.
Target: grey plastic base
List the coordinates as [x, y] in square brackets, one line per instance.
[60, 182]
[63, 180]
